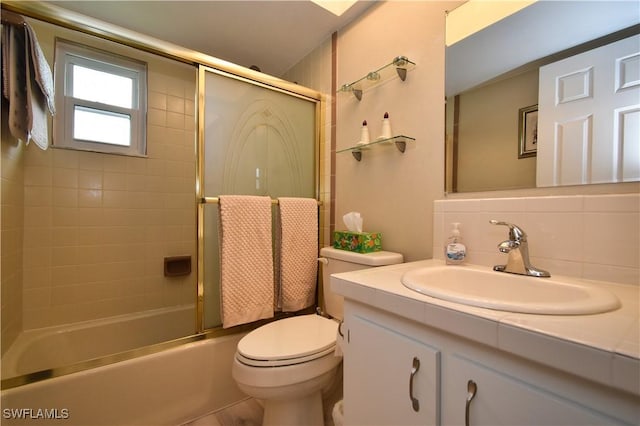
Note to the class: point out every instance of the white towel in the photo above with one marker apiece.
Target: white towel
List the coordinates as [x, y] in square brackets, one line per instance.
[246, 259]
[27, 81]
[298, 254]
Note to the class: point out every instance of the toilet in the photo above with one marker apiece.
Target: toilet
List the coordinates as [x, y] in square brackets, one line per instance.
[287, 363]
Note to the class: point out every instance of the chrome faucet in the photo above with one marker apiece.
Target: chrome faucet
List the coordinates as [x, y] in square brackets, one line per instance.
[518, 249]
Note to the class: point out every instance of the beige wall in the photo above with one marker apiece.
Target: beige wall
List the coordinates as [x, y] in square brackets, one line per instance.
[97, 226]
[394, 191]
[488, 135]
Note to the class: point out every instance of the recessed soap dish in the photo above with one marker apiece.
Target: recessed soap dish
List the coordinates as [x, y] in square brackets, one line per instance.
[175, 266]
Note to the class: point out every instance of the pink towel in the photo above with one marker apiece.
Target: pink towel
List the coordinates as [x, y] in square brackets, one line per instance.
[246, 259]
[298, 263]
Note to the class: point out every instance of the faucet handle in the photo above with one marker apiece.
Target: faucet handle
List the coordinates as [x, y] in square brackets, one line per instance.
[515, 232]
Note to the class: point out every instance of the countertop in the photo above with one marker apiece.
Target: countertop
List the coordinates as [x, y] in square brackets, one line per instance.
[607, 345]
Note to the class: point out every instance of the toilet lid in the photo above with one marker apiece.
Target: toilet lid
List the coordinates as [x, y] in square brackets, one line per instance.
[289, 340]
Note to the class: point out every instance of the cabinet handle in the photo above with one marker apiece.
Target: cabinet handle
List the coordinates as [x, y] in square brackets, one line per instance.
[472, 389]
[414, 369]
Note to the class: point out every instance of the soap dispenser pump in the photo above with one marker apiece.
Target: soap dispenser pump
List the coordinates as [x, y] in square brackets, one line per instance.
[454, 251]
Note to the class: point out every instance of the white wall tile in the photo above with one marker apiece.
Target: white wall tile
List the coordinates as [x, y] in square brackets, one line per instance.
[612, 203]
[612, 239]
[618, 274]
[555, 235]
[554, 204]
[503, 205]
[593, 237]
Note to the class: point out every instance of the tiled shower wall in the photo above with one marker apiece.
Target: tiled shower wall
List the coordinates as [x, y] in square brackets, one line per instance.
[12, 194]
[589, 236]
[97, 226]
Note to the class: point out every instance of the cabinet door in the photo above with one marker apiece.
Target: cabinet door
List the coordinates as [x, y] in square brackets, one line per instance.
[505, 400]
[384, 372]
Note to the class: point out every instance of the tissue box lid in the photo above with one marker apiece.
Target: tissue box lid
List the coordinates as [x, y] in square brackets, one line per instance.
[360, 242]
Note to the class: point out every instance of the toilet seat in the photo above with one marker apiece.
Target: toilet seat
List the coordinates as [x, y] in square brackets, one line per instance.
[288, 341]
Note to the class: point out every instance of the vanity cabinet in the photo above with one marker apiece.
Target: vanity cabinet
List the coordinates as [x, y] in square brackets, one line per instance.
[389, 378]
[499, 399]
[380, 381]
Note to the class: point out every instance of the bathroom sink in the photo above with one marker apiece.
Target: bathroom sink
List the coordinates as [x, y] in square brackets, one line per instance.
[485, 288]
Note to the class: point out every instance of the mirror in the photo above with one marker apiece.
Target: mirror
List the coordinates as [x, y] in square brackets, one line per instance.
[492, 84]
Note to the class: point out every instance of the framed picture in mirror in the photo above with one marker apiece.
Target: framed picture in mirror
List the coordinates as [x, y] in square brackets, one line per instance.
[528, 131]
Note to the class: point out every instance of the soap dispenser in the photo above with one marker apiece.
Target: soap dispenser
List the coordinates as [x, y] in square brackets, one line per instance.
[364, 134]
[386, 127]
[454, 250]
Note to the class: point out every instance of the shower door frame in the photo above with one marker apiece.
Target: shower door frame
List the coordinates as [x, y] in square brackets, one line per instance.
[267, 82]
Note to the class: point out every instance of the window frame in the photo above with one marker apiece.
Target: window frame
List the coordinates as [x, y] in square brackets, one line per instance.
[67, 55]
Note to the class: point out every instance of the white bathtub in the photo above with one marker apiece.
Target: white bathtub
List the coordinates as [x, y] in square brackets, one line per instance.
[51, 347]
[165, 388]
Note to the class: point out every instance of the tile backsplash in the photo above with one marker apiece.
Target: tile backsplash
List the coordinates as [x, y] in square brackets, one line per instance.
[593, 236]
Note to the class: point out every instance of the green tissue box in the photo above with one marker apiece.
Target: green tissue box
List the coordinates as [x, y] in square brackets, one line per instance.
[361, 242]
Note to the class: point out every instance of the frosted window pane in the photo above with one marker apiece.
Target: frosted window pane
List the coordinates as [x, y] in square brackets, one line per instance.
[99, 86]
[94, 125]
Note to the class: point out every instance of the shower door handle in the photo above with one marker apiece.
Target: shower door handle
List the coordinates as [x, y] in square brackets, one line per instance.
[415, 403]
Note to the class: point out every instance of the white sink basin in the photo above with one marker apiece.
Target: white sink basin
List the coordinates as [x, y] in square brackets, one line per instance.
[501, 291]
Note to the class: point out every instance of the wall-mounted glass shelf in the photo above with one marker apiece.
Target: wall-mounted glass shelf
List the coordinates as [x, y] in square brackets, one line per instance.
[400, 65]
[400, 141]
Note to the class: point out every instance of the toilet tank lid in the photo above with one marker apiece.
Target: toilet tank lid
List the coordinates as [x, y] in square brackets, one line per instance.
[376, 258]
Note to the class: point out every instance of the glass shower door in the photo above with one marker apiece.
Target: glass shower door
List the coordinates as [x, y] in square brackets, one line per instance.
[258, 140]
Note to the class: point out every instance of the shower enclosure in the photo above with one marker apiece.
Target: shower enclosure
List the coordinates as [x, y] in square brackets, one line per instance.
[85, 235]
[257, 141]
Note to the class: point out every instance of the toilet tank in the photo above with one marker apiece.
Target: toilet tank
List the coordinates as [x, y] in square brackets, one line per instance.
[346, 261]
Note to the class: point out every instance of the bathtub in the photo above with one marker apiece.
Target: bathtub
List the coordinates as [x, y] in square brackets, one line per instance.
[169, 387]
[51, 347]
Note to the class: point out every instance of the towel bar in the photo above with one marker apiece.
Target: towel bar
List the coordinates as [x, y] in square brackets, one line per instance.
[216, 200]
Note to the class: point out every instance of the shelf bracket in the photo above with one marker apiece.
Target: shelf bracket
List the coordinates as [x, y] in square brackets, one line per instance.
[400, 62]
[357, 155]
[402, 73]
[401, 145]
[357, 93]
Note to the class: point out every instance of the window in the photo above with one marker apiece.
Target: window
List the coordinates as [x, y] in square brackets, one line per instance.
[102, 101]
